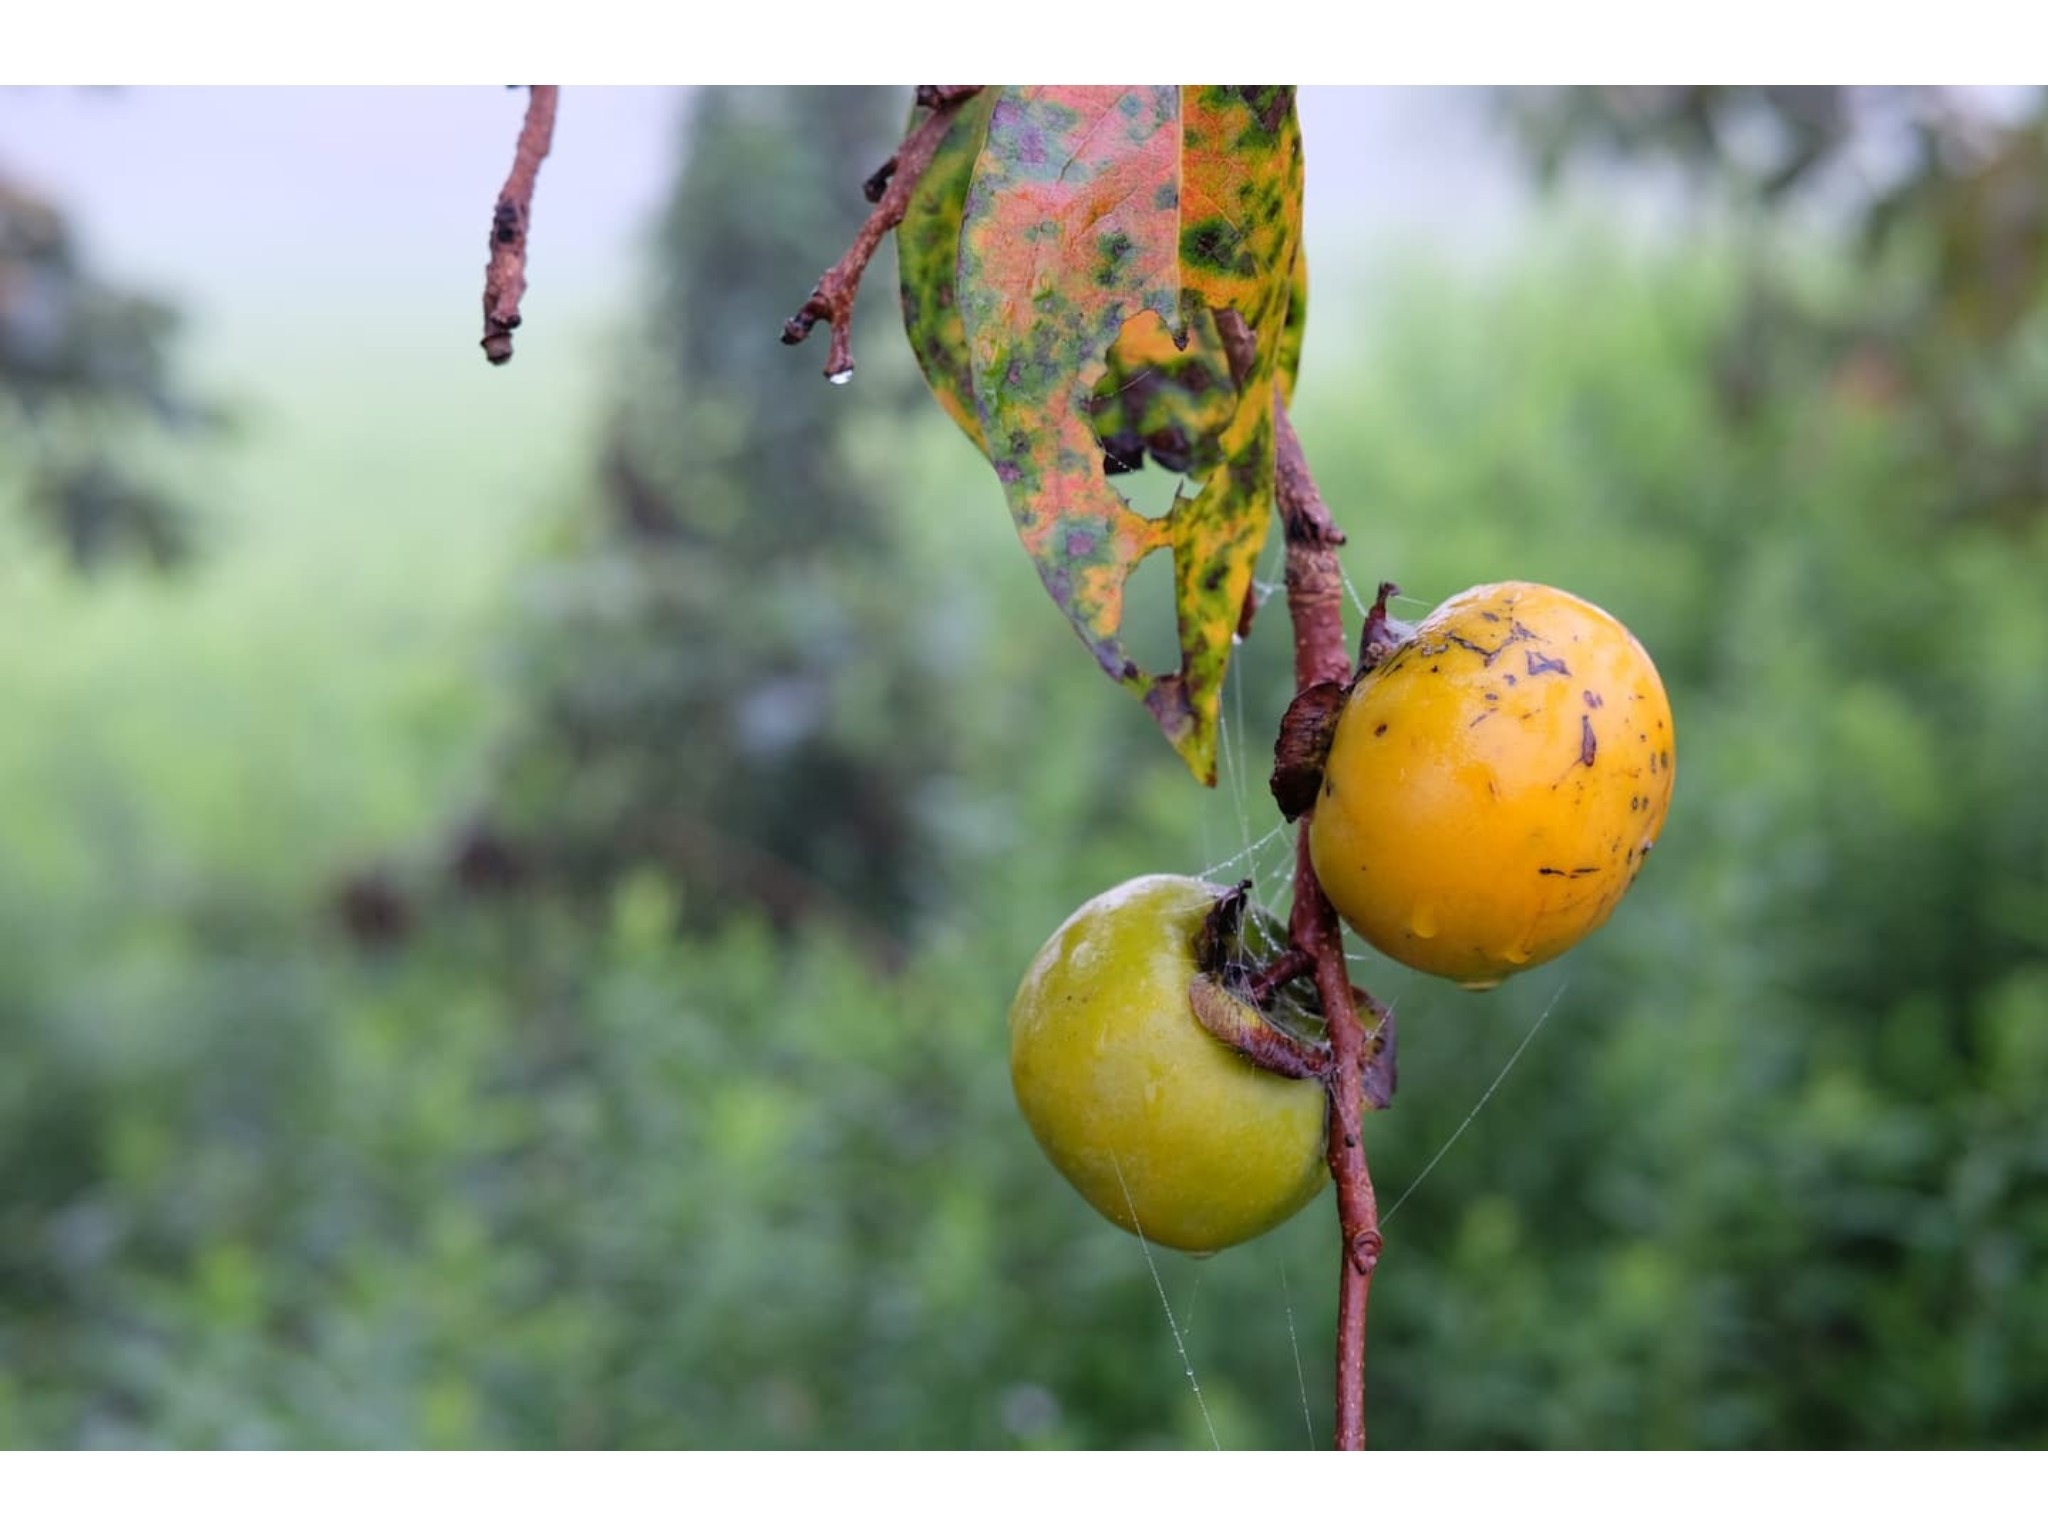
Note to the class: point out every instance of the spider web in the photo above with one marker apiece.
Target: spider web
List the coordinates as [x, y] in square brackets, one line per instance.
[1263, 852]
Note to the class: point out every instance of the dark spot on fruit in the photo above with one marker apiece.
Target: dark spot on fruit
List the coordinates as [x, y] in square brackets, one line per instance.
[1592, 699]
[1537, 662]
[1489, 657]
[1380, 729]
[1588, 743]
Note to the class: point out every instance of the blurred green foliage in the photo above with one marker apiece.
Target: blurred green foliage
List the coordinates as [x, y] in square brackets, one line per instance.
[640, 1159]
[88, 385]
[720, 676]
[1940, 197]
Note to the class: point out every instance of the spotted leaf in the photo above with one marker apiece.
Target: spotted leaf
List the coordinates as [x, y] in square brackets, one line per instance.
[1104, 231]
[928, 256]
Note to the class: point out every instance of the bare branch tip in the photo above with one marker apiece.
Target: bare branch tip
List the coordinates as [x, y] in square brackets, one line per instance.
[511, 217]
[890, 190]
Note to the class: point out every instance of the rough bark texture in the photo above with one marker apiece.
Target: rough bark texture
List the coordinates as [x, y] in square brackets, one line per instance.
[1315, 604]
[505, 275]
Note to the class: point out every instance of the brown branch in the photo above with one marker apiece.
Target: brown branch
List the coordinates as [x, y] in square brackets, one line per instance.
[1292, 963]
[505, 274]
[890, 190]
[1315, 604]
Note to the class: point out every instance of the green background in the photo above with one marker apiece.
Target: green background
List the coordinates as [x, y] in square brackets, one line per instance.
[668, 1142]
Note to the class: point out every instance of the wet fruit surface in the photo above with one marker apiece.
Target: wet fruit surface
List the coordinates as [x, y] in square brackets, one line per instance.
[1161, 1127]
[1495, 784]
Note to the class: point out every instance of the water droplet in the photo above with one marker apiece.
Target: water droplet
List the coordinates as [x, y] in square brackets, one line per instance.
[1481, 984]
[1205, 1253]
[843, 376]
[1423, 923]
[1516, 954]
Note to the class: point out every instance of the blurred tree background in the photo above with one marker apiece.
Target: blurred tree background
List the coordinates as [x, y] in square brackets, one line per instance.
[87, 391]
[658, 1094]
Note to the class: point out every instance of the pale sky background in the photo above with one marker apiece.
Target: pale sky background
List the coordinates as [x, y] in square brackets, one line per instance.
[326, 247]
[288, 216]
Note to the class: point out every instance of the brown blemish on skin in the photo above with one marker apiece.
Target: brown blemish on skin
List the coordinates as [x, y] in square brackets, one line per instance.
[1537, 662]
[1592, 699]
[1516, 631]
[1588, 743]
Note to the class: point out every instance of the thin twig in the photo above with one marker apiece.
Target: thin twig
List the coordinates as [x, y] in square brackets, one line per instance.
[1360, 1066]
[505, 275]
[890, 190]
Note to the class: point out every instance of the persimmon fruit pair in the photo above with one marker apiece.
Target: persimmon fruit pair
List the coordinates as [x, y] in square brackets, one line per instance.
[1482, 795]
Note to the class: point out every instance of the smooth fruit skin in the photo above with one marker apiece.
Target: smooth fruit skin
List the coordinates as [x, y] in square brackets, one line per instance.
[1495, 784]
[1161, 1127]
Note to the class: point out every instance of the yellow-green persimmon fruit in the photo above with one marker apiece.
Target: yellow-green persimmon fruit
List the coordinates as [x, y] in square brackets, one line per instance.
[1161, 1127]
[1494, 784]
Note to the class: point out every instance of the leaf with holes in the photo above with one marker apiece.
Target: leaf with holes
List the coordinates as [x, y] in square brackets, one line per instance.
[1100, 224]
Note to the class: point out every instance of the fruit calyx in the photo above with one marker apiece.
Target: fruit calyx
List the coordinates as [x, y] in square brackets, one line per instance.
[1252, 990]
[1310, 722]
[1381, 636]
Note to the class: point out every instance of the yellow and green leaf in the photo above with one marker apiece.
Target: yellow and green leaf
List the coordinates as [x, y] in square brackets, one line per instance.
[928, 257]
[1095, 236]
